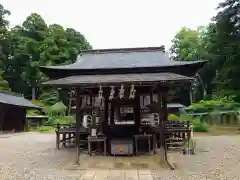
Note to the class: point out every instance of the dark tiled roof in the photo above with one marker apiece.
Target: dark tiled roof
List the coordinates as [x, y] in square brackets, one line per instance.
[118, 78]
[123, 58]
[16, 100]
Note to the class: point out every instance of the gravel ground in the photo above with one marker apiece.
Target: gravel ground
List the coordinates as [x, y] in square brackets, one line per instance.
[218, 157]
[33, 156]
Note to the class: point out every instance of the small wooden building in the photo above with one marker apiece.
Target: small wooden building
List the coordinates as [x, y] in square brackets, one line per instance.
[121, 79]
[13, 112]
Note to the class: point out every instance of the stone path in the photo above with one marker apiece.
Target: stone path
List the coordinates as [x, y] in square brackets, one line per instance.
[116, 174]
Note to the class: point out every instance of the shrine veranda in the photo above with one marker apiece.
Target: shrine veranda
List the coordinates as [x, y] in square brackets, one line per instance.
[109, 86]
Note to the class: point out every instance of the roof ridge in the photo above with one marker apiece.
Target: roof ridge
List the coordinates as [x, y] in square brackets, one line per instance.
[11, 93]
[121, 50]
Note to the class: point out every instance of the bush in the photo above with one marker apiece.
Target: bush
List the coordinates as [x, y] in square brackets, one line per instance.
[199, 126]
[53, 120]
[203, 127]
[45, 128]
[173, 117]
[38, 103]
[38, 112]
[58, 109]
[49, 98]
[66, 120]
[214, 104]
[33, 112]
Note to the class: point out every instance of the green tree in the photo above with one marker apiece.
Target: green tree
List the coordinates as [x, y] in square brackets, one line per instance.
[33, 44]
[62, 46]
[219, 43]
[190, 45]
[4, 50]
[187, 45]
[54, 47]
[4, 46]
[228, 47]
[4, 86]
[34, 30]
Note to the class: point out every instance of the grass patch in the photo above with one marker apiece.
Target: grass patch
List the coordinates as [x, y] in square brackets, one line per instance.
[46, 129]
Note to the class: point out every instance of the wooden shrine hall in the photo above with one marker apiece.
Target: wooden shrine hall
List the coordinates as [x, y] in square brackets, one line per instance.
[109, 85]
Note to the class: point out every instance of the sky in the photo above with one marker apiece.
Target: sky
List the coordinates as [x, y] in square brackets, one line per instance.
[118, 23]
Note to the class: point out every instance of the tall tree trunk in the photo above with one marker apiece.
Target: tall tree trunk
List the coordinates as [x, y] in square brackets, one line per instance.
[191, 96]
[33, 93]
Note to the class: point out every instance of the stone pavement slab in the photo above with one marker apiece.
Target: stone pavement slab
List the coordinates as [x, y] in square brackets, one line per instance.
[88, 175]
[116, 175]
[101, 175]
[145, 177]
[131, 175]
[144, 172]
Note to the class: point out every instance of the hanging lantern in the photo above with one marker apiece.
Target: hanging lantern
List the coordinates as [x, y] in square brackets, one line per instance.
[121, 92]
[132, 92]
[100, 92]
[112, 92]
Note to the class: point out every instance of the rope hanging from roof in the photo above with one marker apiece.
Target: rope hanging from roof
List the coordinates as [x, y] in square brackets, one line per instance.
[121, 92]
[100, 93]
[112, 92]
[132, 92]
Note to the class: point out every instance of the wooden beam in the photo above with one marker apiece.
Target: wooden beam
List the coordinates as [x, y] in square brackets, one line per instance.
[170, 83]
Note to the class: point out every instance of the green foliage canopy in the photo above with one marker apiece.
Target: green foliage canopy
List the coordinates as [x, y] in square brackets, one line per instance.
[25, 47]
[218, 42]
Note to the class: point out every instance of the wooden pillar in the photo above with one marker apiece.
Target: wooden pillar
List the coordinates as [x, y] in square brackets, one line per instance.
[78, 122]
[112, 113]
[164, 103]
[137, 111]
[151, 95]
[25, 121]
[106, 100]
[91, 100]
[1, 118]
[162, 100]
[161, 135]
